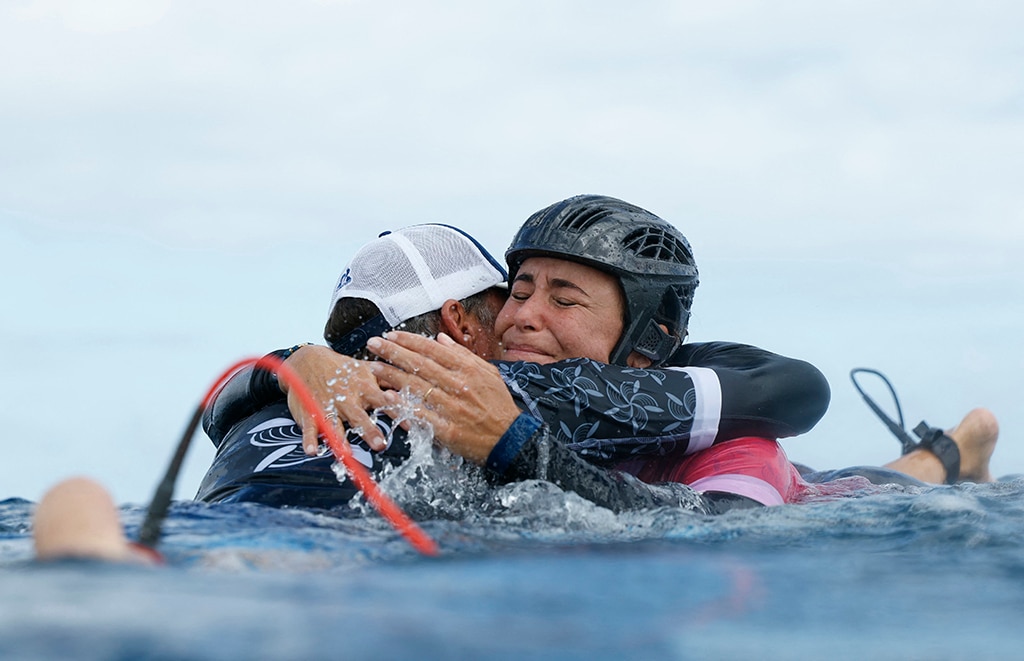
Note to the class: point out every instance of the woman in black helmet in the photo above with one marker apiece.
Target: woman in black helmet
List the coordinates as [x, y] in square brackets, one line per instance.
[595, 277]
[650, 259]
[654, 266]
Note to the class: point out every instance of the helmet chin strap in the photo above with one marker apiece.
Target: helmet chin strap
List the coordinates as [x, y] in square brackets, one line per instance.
[653, 343]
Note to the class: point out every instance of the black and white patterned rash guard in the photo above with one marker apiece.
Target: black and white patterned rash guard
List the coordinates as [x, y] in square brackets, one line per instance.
[588, 415]
[608, 413]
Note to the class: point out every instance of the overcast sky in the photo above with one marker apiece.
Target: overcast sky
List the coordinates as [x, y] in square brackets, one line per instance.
[181, 182]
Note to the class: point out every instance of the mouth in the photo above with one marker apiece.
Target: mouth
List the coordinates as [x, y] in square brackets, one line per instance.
[526, 353]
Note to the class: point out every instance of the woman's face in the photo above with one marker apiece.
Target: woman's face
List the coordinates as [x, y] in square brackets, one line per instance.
[558, 310]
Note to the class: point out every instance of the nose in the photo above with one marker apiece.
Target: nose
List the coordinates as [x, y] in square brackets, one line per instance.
[529, 314]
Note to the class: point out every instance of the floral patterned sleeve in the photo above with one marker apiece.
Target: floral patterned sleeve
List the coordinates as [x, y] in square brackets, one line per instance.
[714, 391]
[722, 391]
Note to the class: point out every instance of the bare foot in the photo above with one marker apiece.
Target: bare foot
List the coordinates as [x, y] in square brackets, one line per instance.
[77, 518]
[976, 437]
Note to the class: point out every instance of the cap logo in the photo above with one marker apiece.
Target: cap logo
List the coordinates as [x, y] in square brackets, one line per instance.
[414, 270]
[345, 279]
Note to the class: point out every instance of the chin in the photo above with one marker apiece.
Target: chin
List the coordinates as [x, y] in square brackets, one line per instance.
[529, 357]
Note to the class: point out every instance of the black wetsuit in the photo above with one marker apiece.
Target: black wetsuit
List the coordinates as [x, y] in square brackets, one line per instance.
[586, 416]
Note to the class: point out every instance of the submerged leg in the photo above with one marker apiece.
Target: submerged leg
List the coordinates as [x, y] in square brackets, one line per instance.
[975, 436]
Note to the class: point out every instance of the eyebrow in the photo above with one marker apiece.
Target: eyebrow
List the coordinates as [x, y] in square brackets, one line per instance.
[556, 283]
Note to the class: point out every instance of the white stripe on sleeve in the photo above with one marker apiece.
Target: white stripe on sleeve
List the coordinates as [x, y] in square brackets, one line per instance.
[707, 412]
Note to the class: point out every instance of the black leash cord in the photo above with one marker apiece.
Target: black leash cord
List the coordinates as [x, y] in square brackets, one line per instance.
[152, 525]
[897, 429]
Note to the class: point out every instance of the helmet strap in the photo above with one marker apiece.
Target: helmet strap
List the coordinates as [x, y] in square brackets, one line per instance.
[653, 343]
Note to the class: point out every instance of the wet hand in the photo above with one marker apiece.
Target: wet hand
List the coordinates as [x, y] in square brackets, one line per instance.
[344, 387]
[464, 397]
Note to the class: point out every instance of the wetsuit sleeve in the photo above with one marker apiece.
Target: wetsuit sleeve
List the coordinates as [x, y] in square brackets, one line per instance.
[763, 393]
[532, 452]
[714, 392]
[245, 393]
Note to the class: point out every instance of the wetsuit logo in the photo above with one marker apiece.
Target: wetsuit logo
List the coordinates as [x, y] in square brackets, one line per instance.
[282, 439]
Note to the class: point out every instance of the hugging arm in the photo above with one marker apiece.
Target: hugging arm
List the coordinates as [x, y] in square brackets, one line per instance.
[343, 386]
[473, 414]
[712, 392]
[716, 391]
[762, 393]
[529, 451]
[245, 393]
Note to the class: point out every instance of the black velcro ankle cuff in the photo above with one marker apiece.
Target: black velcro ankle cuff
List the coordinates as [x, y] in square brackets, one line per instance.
[943, 447]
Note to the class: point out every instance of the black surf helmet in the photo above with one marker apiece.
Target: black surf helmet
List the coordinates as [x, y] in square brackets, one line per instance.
[652, 260]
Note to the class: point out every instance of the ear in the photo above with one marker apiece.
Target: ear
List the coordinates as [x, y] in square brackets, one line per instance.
[638, 361]
[455, 322]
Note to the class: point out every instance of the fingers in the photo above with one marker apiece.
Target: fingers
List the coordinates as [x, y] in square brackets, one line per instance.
[466, 400]
[422, 362]
[305, 422]
[445, 340]
[414, 352]
[344, 391]
[368, 430]
[310, 444]
[408, 369]
[356, 419]
[393, 378]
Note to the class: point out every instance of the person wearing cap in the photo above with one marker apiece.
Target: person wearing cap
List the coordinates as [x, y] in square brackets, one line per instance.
[252, 455]
[431, 279]
[428, 279]
[260, 457]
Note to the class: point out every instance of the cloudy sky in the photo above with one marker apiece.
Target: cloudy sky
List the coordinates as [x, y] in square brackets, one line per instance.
[180, 183]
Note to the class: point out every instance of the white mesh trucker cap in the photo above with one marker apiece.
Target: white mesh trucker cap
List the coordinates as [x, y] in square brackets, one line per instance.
[416, 269]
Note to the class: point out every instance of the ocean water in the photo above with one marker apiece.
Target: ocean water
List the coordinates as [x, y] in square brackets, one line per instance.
[528, 571]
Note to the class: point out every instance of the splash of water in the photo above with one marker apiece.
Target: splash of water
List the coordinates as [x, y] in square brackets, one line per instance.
[432, 482]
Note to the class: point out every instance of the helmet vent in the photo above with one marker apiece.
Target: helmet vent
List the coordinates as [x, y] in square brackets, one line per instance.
[655, 243]
[580, 221]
